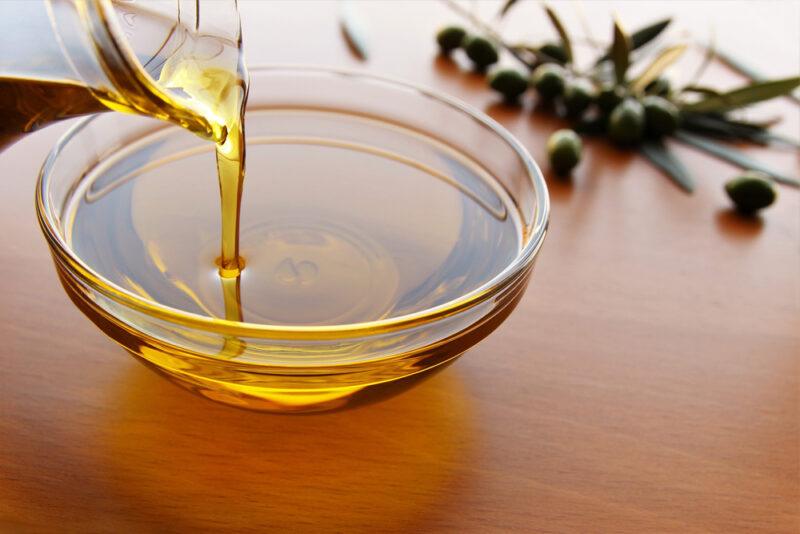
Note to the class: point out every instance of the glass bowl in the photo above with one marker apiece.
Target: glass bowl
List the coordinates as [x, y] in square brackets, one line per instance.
[281, 366]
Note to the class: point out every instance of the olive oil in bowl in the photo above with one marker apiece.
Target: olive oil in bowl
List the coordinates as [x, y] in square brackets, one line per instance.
[334, 230]
[372, 248]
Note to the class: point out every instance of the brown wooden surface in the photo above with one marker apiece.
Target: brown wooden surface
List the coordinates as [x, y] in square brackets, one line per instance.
[648, 381]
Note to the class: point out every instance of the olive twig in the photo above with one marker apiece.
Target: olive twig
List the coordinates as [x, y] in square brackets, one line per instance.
[635, 112]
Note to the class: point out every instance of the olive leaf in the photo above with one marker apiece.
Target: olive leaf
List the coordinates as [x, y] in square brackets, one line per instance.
[663, 60]
[763, 123]
[724, 128]
[620, 52]
[525, 49]
[747, 70]
[526, 54]
[508, 4]
[353, 29]
[660, 156]
[745, 96]
[562, 32]
[775, 139]
[708, 57]
[740, 67]
[700, 89]
[535, 51]
[721, 127]
[641, 37]
[732, 156]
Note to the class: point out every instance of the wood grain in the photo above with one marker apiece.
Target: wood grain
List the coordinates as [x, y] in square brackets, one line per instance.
[648, 381]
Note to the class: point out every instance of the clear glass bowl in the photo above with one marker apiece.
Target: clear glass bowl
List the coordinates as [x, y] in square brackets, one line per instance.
[287, 367]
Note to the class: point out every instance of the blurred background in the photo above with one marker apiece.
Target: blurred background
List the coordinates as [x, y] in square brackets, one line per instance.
[764, 34]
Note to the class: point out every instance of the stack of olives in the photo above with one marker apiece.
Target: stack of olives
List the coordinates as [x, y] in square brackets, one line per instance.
[606, 108]
[593, 106]
[479, 50]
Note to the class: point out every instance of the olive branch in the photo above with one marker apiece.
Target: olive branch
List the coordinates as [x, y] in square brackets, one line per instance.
[636, 112]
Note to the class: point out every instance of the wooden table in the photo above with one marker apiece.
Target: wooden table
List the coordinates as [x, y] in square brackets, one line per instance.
[648, 381]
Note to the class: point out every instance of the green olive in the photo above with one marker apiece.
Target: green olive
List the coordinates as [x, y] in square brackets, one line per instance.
[548, 80]
[593, 124]
[554, 51]
[751, 191]
[481, 51]
[626, 123]
[450, 37]
[578, 95]
[660, 115]
[509, 82]
[610, 96]
[564, 151]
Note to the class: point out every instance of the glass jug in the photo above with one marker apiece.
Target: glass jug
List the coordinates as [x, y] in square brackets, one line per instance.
[64, 58]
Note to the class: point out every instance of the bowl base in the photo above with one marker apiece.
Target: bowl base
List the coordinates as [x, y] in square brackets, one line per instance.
[287, 401]
[245, 388]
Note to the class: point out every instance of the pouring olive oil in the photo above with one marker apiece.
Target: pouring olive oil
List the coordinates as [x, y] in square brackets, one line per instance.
[349, 219]
[200, 85]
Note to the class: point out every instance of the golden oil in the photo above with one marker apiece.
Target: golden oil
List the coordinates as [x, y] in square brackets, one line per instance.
[347, 220]
[332, 232]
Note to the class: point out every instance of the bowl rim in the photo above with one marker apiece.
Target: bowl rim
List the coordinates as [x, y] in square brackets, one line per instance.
[481, 294]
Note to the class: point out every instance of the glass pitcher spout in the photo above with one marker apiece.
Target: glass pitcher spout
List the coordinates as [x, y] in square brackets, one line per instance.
[63, 58]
